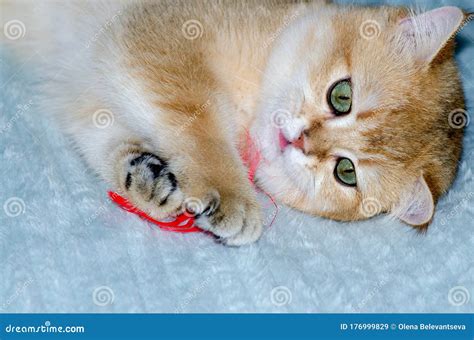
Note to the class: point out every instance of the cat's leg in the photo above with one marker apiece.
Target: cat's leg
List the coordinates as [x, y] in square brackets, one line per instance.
[129, 164]
[210, 170]
[168, 175]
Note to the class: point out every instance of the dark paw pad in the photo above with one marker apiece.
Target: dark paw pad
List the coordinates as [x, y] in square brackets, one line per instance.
[154, 164]
[149, 175]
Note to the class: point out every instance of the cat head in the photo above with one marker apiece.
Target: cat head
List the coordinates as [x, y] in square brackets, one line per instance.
[360, 113]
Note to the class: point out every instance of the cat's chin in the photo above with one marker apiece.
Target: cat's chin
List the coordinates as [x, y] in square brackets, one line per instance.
[275, 183]
[280, 173]
[282, 165]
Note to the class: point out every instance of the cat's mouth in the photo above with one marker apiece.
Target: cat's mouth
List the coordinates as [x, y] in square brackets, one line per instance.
[285, 142]
[282, 140]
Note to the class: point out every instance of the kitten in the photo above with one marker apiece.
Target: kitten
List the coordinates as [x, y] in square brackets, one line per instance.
[349, 107]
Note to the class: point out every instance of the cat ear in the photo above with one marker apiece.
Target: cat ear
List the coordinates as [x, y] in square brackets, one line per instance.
[416, 206]
[424, 35]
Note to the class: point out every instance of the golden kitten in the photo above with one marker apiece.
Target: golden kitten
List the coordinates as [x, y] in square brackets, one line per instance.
[349, 107]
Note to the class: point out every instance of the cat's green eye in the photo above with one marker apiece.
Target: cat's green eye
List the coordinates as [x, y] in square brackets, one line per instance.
[340, 97]
[345, 172]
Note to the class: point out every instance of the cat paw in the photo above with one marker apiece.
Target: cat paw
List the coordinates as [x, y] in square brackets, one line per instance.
[236, 221]
[151, 185]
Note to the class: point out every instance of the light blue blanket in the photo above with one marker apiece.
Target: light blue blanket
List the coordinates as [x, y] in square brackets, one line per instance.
[65, 248]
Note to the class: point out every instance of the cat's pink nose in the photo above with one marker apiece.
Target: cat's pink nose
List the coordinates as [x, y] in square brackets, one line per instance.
[299, 143]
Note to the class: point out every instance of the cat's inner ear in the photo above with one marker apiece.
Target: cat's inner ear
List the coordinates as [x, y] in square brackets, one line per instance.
[416, 206]
[424, 35]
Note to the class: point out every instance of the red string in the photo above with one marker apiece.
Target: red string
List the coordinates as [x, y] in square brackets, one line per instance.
[183, 223]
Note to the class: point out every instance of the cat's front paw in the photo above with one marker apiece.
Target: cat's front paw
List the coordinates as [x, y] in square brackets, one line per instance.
[234, 220]
[148, 181]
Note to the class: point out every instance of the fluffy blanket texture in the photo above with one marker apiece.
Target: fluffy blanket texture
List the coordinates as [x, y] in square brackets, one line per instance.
[65, 248]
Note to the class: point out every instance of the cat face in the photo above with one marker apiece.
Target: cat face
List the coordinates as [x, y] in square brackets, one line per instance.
[354, 113]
